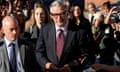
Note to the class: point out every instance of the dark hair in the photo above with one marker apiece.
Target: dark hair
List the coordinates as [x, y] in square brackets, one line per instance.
[107, 4]
[72, 9]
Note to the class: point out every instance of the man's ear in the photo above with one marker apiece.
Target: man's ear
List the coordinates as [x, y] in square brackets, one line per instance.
[2, 30]
[1, 33]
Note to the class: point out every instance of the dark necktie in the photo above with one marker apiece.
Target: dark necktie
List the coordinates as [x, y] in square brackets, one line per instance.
[92, 19]
[60, 43]
[12, 56]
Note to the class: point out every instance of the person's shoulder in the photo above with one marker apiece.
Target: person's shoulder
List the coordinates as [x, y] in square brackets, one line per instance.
[47, 26]
[85, 22]
[1, 45]
[26, 44]
[1, 42]
[72, 26]
[24, 41]
[98, 14]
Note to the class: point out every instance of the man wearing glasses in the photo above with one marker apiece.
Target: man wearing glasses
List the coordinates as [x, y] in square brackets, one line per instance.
[60, 42]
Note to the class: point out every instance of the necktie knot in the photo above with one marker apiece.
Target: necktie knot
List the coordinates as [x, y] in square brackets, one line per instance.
[11, 45]
[61, 32]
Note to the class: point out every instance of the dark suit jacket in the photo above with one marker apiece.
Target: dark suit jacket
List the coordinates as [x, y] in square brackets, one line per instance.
[26, 53]
[92, 48]
[32, 33]
[46, 47]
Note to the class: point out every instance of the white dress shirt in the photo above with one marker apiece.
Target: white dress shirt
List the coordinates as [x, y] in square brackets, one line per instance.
[90, 16]
[17, 52]
[97, 15]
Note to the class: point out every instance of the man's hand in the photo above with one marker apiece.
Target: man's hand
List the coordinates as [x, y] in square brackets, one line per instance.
[98, 67]
[51, 67]
[66, 68]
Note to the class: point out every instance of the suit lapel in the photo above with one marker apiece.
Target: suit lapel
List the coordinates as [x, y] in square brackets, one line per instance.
[52, 42]
[68, 39]
[22, 51]
[6, 57]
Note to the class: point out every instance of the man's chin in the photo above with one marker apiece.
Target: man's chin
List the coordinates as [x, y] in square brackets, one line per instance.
[61, 25]
[13, 39]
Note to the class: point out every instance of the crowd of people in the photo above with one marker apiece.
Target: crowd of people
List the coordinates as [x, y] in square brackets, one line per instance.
[61, 38]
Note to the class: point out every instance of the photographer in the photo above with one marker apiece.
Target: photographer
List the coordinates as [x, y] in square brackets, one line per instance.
[116, 66]
[112, 18]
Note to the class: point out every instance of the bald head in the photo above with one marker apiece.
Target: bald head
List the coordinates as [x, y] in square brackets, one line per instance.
[10, 27]
[9, 19]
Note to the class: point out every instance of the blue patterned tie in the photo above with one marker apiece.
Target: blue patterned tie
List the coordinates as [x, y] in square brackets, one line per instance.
[12, 56]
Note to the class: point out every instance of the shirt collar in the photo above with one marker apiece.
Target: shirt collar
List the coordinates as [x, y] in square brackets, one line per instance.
[64, 28]
[8, 41]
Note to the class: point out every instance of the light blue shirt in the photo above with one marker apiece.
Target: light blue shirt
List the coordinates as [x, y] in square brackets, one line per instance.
[17, 52]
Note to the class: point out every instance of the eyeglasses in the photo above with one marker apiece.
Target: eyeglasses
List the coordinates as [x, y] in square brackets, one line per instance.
[58, 14]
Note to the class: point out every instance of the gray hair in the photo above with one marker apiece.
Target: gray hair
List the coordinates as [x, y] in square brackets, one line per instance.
[58, 3]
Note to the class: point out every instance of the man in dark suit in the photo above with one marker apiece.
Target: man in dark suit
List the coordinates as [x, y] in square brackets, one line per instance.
[16, 55]
[60, 42]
